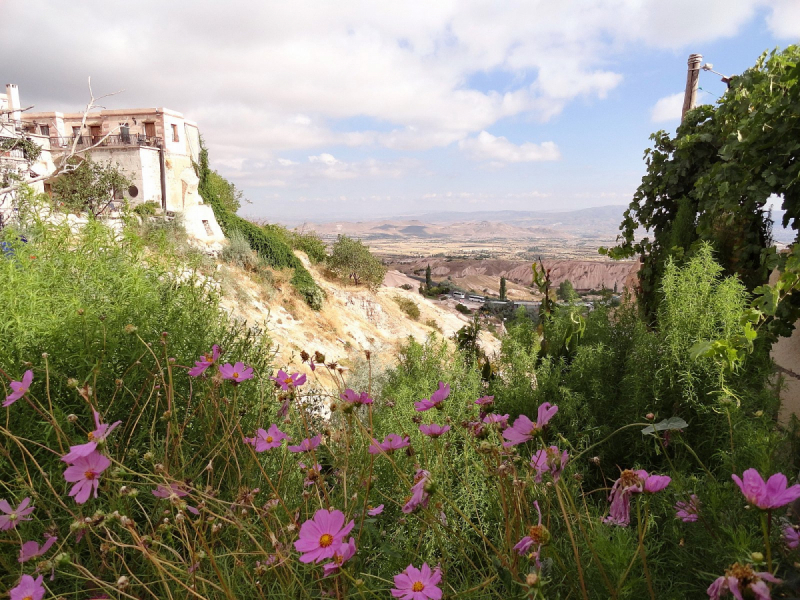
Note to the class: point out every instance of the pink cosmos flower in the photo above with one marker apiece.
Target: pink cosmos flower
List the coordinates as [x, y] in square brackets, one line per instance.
[342, 555]
[238, 372]
[99, 435]
[436, 399]
[418, 584]
[85, 472]
[433, 430]
[688, 512]
[267, 440]
[322, 536]
[14, 515]
[354, 398]
[206, 360]
[738, 577]
[629, 483]
[374, 512]
[419, 495]
[485, 401]
[31, 549]
[390, 443]
[28, 588]
[538, 536]
[550, 460]
[173, 493]
[772, 494]
[524, 429]
[286, 381]
[307, 445]
[494, 419]
[791, 537]
[653, 483]
[19, 388]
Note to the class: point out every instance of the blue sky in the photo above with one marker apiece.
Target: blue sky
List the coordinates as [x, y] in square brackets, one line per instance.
[346, 110]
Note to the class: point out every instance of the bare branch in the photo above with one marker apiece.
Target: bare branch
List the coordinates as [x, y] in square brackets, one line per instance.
[63, 163]
[13, 110]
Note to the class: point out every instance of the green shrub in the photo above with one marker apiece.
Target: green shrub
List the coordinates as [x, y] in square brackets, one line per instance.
[463, 309]
[239, 252]
[266, 242]
[408, 306]
[311, 244]
[146, 209]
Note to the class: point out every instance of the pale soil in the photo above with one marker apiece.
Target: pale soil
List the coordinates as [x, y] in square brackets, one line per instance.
[352, 320]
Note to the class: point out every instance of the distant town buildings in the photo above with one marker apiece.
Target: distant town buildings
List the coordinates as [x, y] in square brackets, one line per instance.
[153, 147]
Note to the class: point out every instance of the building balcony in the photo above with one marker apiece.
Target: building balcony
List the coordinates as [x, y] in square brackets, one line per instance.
[111, 141]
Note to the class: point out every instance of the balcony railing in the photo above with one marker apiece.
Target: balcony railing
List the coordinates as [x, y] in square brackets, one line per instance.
[15, 153]
[121, 139]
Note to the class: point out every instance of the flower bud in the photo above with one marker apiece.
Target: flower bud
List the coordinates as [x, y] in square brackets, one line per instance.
[757, 557]
[72, 418]
[532, 579]
[123, 582]
[62, 559]
[130, 329]
[649, 416]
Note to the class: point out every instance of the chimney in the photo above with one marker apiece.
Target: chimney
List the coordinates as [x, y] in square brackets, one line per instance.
[13, 102]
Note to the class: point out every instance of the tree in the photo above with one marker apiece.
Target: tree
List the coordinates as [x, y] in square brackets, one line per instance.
[711, 181]
[428, 282]
[567, 293]
[89, 186]
[502, 288]
[351, 259]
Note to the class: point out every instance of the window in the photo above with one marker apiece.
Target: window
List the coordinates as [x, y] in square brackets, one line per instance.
[133, 191]
[175, 137]
[125, 134]
[48, 189]
[117, 194]
[150, 130]
[44, 130]
[209, 231]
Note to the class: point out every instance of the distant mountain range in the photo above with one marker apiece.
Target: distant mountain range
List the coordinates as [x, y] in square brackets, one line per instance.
[600, 222]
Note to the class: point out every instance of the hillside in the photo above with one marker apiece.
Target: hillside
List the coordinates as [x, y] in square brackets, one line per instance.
[485, 274]
[351, 320]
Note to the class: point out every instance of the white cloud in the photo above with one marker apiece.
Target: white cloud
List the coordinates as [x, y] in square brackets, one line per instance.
[305, 78]
[499, 150]
[668, 108]
[280, 74]
[784, 21]
[324, 158]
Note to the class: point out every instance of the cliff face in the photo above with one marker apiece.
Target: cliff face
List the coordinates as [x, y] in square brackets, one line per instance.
[583, 274]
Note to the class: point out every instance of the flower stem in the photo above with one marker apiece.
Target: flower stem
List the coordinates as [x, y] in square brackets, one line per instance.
[766, 525]
[572, 540]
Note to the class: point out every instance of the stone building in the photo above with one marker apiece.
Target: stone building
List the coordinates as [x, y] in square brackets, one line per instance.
[153, 147]
[13, 161]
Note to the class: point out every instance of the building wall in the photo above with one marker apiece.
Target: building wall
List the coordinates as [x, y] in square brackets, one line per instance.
[139, 164]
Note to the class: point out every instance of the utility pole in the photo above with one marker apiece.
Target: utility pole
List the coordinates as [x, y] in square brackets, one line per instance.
[692, 77]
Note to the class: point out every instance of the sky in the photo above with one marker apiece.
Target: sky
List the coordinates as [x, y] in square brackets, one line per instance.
[322, 110]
